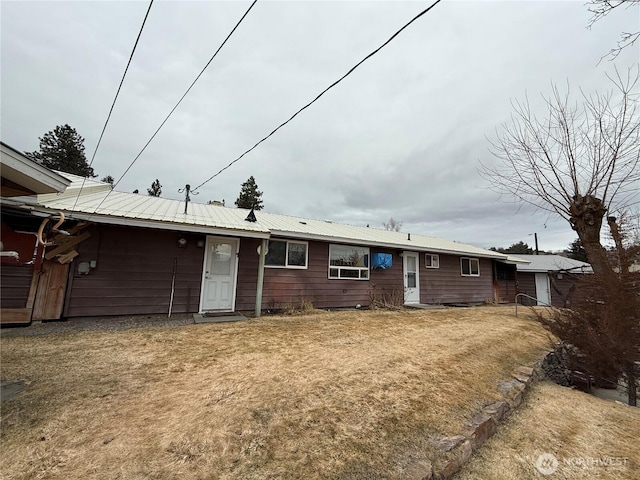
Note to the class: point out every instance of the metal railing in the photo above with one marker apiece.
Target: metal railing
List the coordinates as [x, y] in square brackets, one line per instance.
[532, 298]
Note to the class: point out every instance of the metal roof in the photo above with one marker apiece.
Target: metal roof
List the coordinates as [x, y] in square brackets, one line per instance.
[552, 263]
[143, 210]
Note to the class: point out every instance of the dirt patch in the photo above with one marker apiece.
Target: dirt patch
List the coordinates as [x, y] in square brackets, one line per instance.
[10, 389]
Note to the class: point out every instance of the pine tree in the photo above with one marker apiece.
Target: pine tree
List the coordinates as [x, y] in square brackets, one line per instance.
[250, 196]
[577, 252]
[63, 149]
[108, 179]
[156, 189]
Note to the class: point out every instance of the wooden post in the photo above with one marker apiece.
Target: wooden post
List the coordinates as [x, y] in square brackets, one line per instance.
[263, 253]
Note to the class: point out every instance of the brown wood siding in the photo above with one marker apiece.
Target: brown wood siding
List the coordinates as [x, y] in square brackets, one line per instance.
[133, 274]
[15, 281]
[526, 284]
[447, 285]
[563, 290]
[283, 286]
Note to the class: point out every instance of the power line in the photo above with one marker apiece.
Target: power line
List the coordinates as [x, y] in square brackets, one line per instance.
[114, 100]
[426, 10]
[177, 104]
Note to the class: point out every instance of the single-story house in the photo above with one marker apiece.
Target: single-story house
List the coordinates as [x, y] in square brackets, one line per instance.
[550, 279]
[124, 253]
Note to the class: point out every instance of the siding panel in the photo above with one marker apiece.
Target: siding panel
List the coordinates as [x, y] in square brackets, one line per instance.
[526, 284]
[447, 285]
[15, 281]
[133, 274]
[284, 286]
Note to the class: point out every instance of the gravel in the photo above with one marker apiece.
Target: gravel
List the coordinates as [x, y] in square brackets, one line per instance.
[97, 323]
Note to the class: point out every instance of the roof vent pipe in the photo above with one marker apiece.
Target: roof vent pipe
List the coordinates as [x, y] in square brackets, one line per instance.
[408, 236]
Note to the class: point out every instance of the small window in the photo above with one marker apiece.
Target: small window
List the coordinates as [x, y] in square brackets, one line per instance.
[432, 260]
[470, 267]
[348, 262]
[285, 254]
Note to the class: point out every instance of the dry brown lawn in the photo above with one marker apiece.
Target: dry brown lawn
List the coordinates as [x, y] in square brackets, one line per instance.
[346, 395]
[590, 438]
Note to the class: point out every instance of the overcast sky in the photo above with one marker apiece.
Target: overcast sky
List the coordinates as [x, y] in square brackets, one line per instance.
[401, 137]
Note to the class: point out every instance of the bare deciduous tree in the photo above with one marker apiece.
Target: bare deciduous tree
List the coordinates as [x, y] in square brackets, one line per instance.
[582, 163]
[602, 8]
[392, 225]
[579, 162]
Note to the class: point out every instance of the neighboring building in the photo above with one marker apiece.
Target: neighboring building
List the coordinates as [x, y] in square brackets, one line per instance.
[137, 254]
[549, 278]
[20, 262]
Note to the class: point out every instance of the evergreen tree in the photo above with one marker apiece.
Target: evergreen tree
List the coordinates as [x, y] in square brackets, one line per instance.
[63, 149]
[250, 196]
[108, 179]
[520, 247]
[577, 251]
[156, 189]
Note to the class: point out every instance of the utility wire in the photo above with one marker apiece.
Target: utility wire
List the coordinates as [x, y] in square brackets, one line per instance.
[114, 100]
[426, 10]
[179, 101]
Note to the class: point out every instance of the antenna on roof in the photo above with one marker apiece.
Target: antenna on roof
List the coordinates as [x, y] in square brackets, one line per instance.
[187, 197]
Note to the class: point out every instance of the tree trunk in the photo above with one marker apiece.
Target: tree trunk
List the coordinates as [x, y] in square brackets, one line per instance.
[586, 219]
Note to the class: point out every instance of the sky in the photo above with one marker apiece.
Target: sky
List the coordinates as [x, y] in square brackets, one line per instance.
[403, 136]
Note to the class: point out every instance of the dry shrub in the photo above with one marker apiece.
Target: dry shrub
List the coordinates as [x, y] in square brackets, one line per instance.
[390, 300]
[602, 327]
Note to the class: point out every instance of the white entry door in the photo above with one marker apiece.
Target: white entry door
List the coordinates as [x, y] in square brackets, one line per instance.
[411, 277]
[219, 276]
[543, 293]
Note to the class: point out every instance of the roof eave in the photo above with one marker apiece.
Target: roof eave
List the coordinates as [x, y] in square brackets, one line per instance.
[22, 170]
[399, 246]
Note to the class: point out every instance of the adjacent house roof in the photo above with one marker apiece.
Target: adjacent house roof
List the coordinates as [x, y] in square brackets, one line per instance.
[98, 205]
[22, 176]
[552, 263]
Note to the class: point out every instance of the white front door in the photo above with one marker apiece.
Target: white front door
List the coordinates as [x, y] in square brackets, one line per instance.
[219, 275]
[543, 293]
[411, 277]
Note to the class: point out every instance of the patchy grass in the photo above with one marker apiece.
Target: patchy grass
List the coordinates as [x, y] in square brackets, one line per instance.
[590, 438]
[346, 395]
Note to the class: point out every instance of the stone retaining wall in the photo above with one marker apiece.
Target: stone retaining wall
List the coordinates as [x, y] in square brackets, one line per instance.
[478, 429]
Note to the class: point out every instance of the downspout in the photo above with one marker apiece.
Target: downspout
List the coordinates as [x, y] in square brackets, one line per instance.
[263, 253]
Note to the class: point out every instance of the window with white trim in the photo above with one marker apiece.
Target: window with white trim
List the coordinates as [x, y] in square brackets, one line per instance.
[432, 260]
[348, 262]
[469, 267]
[286, 254]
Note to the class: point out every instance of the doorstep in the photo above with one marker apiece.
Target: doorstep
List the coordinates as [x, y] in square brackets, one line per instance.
[218, 317]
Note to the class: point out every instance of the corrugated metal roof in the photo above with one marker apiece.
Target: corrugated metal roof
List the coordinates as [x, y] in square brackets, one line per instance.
[127, 208]
[552, 263]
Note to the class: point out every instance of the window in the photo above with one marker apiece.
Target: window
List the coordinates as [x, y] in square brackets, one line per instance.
[432, 260]
[470, 267]
[285, 254]
[348, 262]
